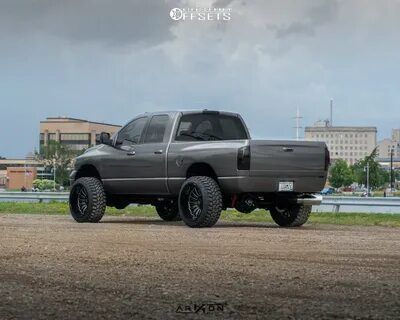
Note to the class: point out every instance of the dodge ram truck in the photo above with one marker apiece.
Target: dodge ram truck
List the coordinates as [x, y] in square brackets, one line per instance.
[191, 165]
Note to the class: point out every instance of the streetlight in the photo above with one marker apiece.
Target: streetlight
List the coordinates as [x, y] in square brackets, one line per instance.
[54, 173]
[367, 170]
[391, 168]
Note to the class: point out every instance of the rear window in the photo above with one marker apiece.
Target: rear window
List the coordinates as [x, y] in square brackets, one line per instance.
[206, 127]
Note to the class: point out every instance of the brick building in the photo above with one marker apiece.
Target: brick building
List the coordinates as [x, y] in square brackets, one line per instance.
[76, 134]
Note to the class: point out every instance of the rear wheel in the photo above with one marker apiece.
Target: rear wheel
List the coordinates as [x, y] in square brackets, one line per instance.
[168, 210]
[200, 202]
[293, 216]
[87, 200]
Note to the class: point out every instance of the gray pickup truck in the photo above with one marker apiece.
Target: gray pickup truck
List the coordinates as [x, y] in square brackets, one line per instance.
[191, 165]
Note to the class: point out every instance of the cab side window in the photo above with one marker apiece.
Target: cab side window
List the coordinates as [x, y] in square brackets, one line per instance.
[131, 133]
[156, 129]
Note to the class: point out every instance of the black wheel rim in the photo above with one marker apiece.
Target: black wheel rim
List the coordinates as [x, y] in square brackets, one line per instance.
[195, 202]
[80, 201]
[192, 201]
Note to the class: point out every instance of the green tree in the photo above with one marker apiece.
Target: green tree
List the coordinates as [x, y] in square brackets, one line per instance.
[43, 184]
[340, 174]
[59, 155]
[377, 175]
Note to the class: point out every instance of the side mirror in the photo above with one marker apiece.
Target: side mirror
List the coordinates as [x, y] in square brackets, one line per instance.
[103, 138]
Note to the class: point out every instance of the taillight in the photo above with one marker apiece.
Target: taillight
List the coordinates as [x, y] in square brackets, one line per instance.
[327, 158]
[243, 158]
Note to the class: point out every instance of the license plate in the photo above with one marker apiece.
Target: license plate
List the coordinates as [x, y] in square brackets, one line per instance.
[286, 186]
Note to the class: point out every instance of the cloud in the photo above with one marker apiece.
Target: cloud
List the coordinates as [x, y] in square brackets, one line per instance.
[222, 3]
[314, 18]
[115, 23]
[270, 58]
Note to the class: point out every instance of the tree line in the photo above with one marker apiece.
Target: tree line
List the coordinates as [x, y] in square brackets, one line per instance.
[343, 175]
[58, 156]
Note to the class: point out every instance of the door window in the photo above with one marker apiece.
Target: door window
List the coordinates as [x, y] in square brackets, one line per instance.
[131, 133]
[156, 130]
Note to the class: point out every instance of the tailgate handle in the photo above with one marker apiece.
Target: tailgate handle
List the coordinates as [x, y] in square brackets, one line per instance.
[286, 149]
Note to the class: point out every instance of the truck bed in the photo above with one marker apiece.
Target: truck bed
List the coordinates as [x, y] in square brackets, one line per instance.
[300, 164]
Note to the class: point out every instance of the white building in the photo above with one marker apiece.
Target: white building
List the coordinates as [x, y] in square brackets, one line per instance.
[348, 143]
[396, 135]
[386, 145]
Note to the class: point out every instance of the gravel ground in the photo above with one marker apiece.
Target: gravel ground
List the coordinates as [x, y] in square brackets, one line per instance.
[126, 268]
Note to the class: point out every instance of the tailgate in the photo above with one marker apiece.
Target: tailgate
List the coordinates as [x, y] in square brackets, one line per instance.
[287, 158]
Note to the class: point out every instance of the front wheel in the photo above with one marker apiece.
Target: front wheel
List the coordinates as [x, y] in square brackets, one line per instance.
[293, 216]
[87, 200]
[200, 202]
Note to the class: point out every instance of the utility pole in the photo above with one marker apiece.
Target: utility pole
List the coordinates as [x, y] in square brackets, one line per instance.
[54, 173]
[391, 169]
[367, 179]
[331, 115]
[366, 169]
[25, 173]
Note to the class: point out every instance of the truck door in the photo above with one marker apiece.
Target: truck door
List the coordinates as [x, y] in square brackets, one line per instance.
[119, 167]
[137, 164]
[149, 161]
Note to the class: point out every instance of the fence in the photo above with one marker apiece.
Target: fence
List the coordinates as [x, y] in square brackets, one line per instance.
[34, 196]
[334, 201]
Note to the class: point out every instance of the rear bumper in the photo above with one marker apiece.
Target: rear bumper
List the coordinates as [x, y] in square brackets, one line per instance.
[244, 184]
[313, 200]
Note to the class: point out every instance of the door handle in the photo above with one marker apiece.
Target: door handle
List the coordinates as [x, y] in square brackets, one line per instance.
[286, 149]
[131, 153]
[158, 152]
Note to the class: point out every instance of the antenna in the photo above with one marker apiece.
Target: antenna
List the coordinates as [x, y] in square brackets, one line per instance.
[331, 117]
[297, 127]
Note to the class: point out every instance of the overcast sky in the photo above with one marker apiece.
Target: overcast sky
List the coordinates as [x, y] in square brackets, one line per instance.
[107, 61]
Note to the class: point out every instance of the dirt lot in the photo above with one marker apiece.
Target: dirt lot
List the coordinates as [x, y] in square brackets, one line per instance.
[52, 267]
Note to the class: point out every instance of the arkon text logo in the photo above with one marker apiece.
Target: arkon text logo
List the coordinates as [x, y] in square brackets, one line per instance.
[200, 308]
[200, 14]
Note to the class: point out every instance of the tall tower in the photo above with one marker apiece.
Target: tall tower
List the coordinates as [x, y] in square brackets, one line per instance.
[297, 127]
[331, 115]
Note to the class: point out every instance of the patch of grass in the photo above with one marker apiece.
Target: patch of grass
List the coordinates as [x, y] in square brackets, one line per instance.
[365, 219]
[36, 208]
[57, 208]
[137, 211]
[255, 216]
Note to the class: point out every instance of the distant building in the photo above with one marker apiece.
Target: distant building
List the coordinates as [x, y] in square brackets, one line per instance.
[76, 134]
[15, 173]
[348, 143]
[386, 145]
[396, 135]
[385, 163]
[18, 177]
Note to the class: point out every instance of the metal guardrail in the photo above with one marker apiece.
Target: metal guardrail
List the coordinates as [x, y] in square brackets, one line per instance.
[38, 196]
[334, 201]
